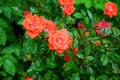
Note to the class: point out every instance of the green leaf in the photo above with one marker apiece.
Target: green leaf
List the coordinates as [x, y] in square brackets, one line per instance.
[81, 56]
[116, 31]
[88, 4]
[10, 57]
[77, 2]
[104, 59]
[102, 77]
[115, 68]
[70, 53]
[30, 46]
[34, 10]
[90, 14]
[90, 58]
[87, 49]
[3, 73]
[1, 61]
[47, 75]
[69, 65]
[3, 37]
[107, 30]
[75, 43]
[7, 12]
[75, 76]
[1, 10]
[92, 77]
[78, 15]
[3, 23]
[16, 11]
[9, 67]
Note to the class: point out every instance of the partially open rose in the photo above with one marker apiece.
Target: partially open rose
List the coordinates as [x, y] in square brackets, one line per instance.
[68, 10]
[101, 25]
[66, 2]
[110, 9]
[33, 25]
[60, 41]
[50, 27]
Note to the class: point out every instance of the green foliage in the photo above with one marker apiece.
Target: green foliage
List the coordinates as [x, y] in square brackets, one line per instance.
[21, 56]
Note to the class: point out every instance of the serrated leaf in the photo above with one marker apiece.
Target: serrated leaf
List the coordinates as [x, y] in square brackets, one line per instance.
[108, 30]
[10, 57]
[78, 15]
[69, 65]
[116, 31]
[3, 23]
[104, 59]
[3, 37]
[9, 67]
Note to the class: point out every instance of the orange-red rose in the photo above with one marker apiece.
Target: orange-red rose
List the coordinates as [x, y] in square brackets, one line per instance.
[28, 78]
[50, 27]
[60, 41]
[110, 9]
[68, 6]
[68, 10]
[66, 2]
[33, 25]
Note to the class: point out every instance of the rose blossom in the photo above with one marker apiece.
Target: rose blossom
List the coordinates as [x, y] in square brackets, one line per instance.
[101, 25]
[110, 9]
[49, 26]
[60, 41]
[68, 10]
[33, 25]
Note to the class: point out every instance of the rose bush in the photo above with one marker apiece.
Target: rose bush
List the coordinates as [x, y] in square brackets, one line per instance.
[59, 40]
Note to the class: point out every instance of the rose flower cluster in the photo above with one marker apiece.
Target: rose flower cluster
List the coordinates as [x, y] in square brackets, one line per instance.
[58, 40]
[68, 6]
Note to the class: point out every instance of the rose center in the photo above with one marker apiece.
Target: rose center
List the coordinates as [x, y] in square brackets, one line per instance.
[60, 41]
[110, 8]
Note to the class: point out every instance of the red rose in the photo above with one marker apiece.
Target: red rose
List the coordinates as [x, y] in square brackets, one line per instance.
[33, 25]
[49, 26]
[28, 78]
[110, 9]
[60, 41]
[68, 10]
[100, 25]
